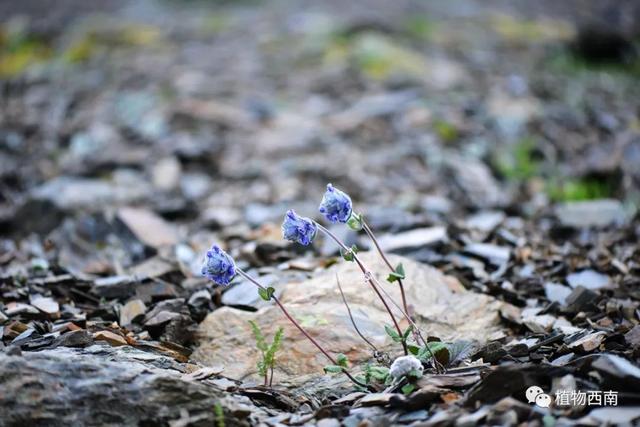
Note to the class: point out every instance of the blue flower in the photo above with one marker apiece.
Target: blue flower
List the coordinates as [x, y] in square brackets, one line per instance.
[218, 266]
[336, 205]
[297, 228]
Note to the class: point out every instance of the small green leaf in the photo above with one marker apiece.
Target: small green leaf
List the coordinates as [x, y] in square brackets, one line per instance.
[392, 333]
[406, 333]
[439, 349]
[349, 255]
[266, 293]
[398, 274]
[342, 360]
[414, 373]
[413, 349]
[379, 373]
[333, 369]
[408, 388]
[257, 333]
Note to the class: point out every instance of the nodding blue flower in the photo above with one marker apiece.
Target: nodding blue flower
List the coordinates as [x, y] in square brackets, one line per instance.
[218, 266]
[297, 228]
[336, 205]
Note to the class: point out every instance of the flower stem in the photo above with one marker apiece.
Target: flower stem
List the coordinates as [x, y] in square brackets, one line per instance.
[367, 230]
[369, 278]
[353, 321]
[301, 329]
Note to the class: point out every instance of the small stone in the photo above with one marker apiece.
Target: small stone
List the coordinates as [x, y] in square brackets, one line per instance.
[115, 286]
[195, 186]
[491, 353]
[165, 175]
[15, 308]
[412, 239]
[148, 227]
[496, 255]
[376, 399]
[79, 338]
[485, 220]
[45, 304]
[131, 311]
[160, 319]
[580, 299]
[328, 422]
[589, 279]
[556, 292]
[592, 213]
[200, 297]
[245, 293]
[113, 339]
[633, 337]
[588, 343]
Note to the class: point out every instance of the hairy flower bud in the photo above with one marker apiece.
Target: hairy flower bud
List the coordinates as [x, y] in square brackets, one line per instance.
[218, 266]
[297, 228]
[336, 205]
[404, 365]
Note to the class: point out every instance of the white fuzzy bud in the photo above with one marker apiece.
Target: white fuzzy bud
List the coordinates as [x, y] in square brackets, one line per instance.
[403, 365]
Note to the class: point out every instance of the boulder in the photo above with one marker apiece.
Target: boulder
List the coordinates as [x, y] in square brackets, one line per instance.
[441, 306]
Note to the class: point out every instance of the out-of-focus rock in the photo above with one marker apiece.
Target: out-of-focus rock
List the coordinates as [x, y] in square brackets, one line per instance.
[589, 279]
[413, 239]
[166, 174]
[69, 193]
[131, 311]
[591, 213]
[148, 227]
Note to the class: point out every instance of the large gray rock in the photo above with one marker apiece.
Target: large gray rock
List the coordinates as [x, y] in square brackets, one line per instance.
[103, 386]
[442, 307]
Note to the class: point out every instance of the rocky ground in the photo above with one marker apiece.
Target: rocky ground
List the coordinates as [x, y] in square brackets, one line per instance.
[493, 147]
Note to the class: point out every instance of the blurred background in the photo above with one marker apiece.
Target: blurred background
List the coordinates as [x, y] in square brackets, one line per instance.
[211, 118]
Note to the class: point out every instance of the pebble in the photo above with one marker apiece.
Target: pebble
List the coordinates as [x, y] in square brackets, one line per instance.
[131, 311]
[589, 279]
[591, 213]
[110, 337]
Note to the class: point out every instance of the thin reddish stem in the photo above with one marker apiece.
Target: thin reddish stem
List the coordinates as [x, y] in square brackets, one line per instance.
[369, 278]
[300, 328]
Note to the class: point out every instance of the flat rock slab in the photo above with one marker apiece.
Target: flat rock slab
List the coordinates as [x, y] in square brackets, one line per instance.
[442, 307]
[103, 386]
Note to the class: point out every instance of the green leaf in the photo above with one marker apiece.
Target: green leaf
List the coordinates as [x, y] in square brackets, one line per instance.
[406, 333]
[413, 349]
[439, 349]
[458, 350]
[414, 373]
[392, 333]
[333, 369]
[348, 255]
[379, 373]
[398, 274]
[266, 293]
[355, 221]
[388, 380]
[408, 388]
[269, 356]
[257, 333]
[342, 360]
